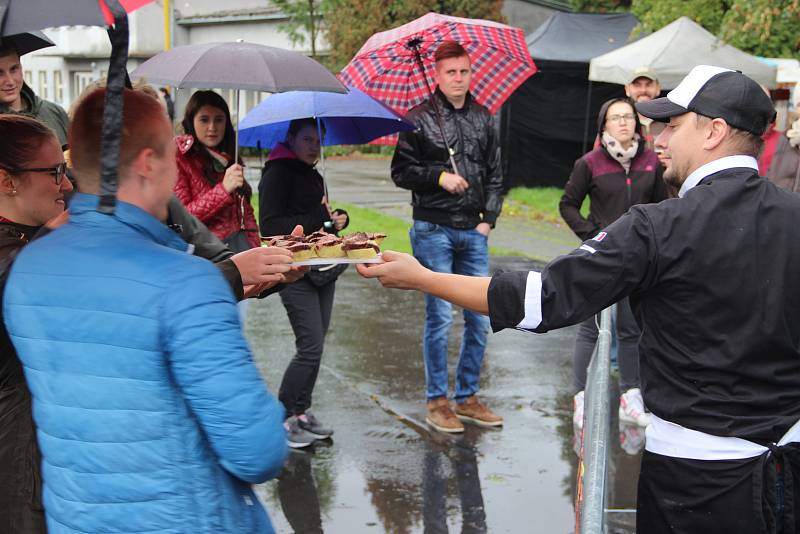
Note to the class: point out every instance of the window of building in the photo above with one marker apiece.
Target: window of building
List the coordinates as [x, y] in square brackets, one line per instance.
[29, 77]
[81, 79]
[44, 89]
[230, 96]
[58, 87]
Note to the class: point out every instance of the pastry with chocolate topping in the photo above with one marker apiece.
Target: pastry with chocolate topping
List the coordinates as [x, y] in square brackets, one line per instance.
[361, 250]
[356, 236]
[358, 245]
[302, 251]
[377, 237]
[310, 238]
[272, 241]
[329, 247]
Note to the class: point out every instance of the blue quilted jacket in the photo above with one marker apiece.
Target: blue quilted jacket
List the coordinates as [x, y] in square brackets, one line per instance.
[151, 414]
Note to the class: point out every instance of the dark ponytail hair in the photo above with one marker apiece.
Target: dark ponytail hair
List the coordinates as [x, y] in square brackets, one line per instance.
[210, 98]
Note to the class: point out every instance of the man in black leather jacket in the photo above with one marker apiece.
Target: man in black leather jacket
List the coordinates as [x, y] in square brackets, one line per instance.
[456, 202]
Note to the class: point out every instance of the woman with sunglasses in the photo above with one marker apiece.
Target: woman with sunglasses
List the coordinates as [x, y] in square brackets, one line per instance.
[617, 174]
[33, 189]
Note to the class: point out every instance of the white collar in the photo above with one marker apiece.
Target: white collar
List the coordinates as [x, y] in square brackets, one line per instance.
[728, 162]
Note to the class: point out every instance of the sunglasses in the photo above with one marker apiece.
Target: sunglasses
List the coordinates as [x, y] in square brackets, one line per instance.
[58, 172]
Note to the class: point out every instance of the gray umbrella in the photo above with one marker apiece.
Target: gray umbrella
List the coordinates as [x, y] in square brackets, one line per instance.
[238, 65]
[26, 42]
[17, 16]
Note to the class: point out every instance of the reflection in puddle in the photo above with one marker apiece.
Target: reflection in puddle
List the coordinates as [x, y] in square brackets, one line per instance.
[297, 493]
[437, 484]
[383, 475]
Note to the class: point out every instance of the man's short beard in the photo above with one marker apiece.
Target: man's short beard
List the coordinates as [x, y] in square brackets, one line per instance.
[674, 176]
[674, 181]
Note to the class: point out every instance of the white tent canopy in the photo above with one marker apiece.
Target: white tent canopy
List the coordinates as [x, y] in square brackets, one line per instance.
[672, 52]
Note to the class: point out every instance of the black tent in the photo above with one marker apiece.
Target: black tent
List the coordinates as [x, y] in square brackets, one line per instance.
[549, 122]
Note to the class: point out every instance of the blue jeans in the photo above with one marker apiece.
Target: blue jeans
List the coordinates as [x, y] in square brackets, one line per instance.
[449, 250]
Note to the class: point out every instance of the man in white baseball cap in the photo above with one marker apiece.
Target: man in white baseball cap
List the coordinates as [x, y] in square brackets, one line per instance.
[712, 280]
[706, 95]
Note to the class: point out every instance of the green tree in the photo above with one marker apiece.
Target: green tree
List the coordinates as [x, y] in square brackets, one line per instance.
[655, 14]
[350, 23]
[769, 28]
[600, 6]
[305, 20]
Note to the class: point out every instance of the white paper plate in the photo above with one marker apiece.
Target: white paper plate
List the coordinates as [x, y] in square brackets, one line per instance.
[335, 261]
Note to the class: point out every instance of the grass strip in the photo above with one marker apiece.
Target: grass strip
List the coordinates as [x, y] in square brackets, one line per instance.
[537, 203]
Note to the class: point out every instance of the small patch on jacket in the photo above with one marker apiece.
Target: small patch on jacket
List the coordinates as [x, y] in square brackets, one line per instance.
[599, 237]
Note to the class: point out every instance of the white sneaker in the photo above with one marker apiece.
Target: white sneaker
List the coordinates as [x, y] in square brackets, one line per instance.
[631, 408]
[577, 410]
[631, 438]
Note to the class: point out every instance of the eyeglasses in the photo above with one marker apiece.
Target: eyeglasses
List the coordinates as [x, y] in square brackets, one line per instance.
[58, 172]
[616, 118]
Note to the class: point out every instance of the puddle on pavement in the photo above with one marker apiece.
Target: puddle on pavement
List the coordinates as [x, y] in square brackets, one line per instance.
[380, 474]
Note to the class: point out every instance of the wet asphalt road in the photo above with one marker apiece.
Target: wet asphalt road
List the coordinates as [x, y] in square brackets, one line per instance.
[384, 471]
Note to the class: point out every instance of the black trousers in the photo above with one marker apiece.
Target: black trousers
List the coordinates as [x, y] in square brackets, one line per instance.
[679, 496]
[628, 335]
[21, 510]
[309, 309]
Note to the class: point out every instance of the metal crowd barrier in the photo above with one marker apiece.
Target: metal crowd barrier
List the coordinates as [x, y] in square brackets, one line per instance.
[596, 445]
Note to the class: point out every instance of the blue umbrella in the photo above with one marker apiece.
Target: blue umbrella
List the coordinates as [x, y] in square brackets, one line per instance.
[349, 119]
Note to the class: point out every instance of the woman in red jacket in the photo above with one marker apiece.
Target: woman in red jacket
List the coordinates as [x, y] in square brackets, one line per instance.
[210, 184]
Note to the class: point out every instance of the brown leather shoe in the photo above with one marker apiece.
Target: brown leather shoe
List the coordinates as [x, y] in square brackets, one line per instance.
[441, 417]
[473, 411]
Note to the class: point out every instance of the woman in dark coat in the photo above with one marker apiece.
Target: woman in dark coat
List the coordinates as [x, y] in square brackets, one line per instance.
[33, 186]
[616, 175]
[291, 192]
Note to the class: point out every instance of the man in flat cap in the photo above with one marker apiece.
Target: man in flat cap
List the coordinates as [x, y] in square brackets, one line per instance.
[643, 86]
[712, 279]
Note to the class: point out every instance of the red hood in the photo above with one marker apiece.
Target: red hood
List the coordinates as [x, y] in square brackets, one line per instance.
[184, 143]
[281, 151]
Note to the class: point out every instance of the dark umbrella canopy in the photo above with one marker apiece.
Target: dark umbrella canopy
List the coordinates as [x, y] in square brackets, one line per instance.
[19, 16]
[238, 65]
[26, 42]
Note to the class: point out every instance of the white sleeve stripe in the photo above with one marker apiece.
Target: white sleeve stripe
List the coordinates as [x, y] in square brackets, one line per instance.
[587, 248]
[533, 302]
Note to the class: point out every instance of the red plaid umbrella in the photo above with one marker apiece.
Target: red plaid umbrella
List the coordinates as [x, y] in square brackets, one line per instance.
[386, 67]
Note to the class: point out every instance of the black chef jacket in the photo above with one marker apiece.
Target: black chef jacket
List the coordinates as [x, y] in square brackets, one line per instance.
[714, 282]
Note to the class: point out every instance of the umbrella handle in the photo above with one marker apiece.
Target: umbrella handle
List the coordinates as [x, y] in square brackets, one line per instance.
[414, 45]
[236, 130]
[322, 161]
[112, 112]
[453, 161]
